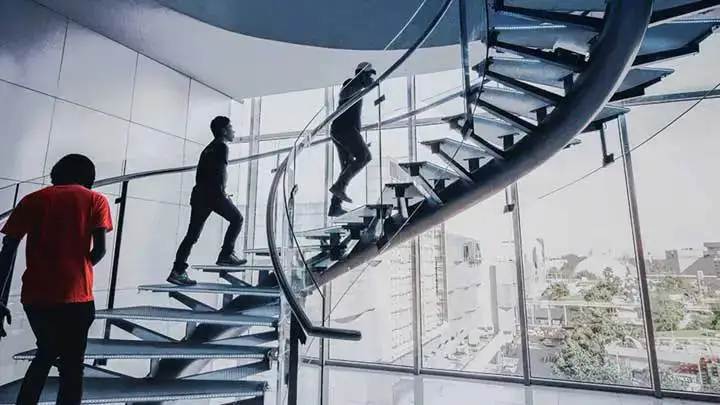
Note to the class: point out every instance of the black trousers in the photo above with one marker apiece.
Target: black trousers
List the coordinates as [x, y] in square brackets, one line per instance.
[61, 332]
[200, 208]
[353, 152]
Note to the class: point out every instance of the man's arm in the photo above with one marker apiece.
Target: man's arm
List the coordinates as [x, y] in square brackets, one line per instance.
[7, 256]
[98, 250]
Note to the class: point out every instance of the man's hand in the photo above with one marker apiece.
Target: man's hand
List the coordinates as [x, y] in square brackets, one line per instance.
[4, 313]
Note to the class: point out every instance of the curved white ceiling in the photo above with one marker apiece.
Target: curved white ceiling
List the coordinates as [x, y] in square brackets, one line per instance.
[238, 65]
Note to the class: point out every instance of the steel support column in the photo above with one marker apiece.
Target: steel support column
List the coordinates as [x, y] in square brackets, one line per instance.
[415, 267]
[251, 193]
[520, 275]
[324, 393]
[639, 255]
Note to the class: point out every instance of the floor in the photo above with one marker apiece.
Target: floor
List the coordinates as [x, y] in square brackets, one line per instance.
[361, 387]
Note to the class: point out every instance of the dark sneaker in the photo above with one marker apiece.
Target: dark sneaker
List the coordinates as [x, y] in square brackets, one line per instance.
[230, 260]
[340, 193]
[180, 278]
[336, 210]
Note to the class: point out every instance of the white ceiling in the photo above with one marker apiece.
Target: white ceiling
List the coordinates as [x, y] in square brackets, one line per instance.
[238, 65]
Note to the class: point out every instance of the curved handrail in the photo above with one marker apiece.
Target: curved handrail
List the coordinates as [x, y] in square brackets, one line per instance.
[302, 317]
[172, 170]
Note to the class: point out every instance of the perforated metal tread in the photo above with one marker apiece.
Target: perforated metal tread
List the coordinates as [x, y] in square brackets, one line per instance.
[489, 127]
[138, 349]
[356, 216]
[428, 170]
[250, 340]
[457, 149]
[213, 288]
[535, 71]
[320, 233]
[513, 101]
[214, 268]
[233, 373]
[675, 35]
[148, 313]
[115, 390]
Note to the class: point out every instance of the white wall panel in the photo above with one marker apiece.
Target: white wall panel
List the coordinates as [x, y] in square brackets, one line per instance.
[161, 97]
[25, 116]
[99, 136]
[151, 150]
[148, 247]
[97, 72]
[31, 42]
[205, 104]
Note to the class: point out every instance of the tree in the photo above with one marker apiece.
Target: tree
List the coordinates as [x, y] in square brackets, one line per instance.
[583, 356]
[667, 314]
[715, 320]
[556, 291]
[603, 291]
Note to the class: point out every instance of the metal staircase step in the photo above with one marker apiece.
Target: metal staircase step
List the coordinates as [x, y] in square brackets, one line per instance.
[250, 340]
[513, 101]
[233, 373]
[429, 171]
[357, 216]
[147, 313]
[608, 113]
[138, 349]
[401, 190]
[588, 5]
[118, 390]
[266, 252]
[559, 5]
[460, 150]
[547, 37]
[488, 127]
[214, 268]
[321, 233]
[638, 79]
[673, 39]
[213, 288]
[538, 72]
[664, 41]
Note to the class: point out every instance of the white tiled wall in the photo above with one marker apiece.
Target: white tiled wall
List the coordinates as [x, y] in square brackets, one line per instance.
[64, 89]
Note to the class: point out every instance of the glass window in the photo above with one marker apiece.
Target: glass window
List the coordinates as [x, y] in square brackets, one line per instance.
[583, 303]
[677, 201]
[469, 292]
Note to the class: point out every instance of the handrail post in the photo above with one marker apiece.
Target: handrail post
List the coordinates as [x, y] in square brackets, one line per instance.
[122, 201]
[296, 337]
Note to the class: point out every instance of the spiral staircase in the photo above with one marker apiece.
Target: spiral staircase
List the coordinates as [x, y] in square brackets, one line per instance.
[554, 70]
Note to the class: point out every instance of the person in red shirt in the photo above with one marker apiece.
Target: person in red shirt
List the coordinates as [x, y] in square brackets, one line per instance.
[65, 226]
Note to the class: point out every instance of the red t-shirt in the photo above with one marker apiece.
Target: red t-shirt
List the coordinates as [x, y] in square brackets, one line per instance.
[58, 222]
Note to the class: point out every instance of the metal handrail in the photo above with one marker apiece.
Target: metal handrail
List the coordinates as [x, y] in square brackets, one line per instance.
[298, 311]
[173, 170]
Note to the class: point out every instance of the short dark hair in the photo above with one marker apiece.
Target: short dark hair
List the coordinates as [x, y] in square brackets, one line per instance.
[73, 169]
[218, 124]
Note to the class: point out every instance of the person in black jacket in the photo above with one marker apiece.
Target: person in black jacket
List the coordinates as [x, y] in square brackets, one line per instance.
[208, 196]
[352, 150]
